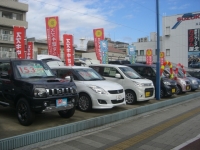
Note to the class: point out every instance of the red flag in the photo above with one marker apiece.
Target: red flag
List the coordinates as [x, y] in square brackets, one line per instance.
[162, 57]
[149, 57]
[29, 52]
[53, 40]
[19, 37]
[68, 49]
[98, 36]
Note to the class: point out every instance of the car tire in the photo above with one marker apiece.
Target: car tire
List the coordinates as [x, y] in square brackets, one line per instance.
[84, 103]
[179, 90]
[161, 93]
[130, 97]
[24, 114]
[67, 113]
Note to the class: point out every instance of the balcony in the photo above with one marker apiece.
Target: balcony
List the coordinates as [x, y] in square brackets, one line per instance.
[14, 5]
[6, 38]
[11, 22]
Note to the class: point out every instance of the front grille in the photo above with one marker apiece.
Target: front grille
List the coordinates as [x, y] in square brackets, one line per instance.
[59, 91]
[151, 90]
[116, 91]
[147, 84]
[117, 101]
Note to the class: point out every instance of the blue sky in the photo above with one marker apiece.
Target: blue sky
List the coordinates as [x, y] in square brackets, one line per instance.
[122, 20]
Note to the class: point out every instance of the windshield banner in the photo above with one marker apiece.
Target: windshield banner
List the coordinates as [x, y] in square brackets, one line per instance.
[52, 31]
[19, 36]
[104, 51]
[98, 36]
[68, 49]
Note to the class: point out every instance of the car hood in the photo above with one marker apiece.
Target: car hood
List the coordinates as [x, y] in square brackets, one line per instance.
[105, 84]
[169, 80]
[142, 80]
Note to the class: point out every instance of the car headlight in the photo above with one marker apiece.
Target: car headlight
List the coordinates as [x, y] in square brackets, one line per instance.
[73, 90]
[183, 82]
[138, 84]
[98, 89]
[167, 83]
[40, 92]
[194, 82]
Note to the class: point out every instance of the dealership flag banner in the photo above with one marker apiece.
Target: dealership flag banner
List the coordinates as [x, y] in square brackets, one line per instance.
[29, 51]
[162, 57]
[98, 36]
[149, 57]
[53, 40]
[68, 49]
[19, 41]
[131, 52]
[104, 51]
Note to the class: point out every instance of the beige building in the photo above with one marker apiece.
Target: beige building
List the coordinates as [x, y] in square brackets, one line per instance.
[12, 13]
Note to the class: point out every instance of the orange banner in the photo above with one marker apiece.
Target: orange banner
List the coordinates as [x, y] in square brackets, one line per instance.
[162, 57]
[53, 40]
[68, 49]
[98, 36]
[149, 57]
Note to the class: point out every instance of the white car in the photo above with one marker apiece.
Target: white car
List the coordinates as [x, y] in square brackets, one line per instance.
[136, 87]
[94, 91]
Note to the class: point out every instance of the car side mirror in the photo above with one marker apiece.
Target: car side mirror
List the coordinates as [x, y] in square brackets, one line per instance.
[70, 78]
[117, 76]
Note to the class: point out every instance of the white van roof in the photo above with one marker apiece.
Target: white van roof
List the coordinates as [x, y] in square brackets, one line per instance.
[43, 57]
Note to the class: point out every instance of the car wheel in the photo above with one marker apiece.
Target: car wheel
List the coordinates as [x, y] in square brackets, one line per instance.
[84, 103]
[179, 89]
[24, 114]
[161, 93]
[67, 113]
[130, 97]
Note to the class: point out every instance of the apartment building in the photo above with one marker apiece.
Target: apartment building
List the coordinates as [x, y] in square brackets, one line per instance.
[12, 13]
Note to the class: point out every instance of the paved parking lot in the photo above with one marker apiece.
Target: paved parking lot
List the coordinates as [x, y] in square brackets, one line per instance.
[10, 126]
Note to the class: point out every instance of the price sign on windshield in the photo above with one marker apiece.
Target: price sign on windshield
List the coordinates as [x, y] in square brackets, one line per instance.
[26, 69]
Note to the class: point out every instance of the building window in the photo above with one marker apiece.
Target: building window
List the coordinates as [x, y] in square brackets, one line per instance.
[136, 52]
[167, 52]
[11, 15]
[141, 52]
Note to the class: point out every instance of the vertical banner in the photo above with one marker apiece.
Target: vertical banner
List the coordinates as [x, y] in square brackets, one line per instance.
[104, 51]
[19, 41]
[162, 58]
[131, 52]
[149, 57]
[98, 36]
[29, 51]
[53, 40]
[194, 40]
[68, 49]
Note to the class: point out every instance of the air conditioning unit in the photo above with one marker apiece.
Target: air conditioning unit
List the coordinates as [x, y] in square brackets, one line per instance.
[11, 32]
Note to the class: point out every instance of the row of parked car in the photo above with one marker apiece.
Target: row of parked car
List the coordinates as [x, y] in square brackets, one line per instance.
[34, 86]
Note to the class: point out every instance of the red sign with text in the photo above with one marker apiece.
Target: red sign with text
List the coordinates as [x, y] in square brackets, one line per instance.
[29, 51]
[19, 41]
[98, 36]
[162, 57]
[68, 49]
[149, 57]
[53, 40]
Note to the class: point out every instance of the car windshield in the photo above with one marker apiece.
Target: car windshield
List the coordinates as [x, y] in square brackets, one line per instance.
[130, 73]
[31, 69]
[89, 74]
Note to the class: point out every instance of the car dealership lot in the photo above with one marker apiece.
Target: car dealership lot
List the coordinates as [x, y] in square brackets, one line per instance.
[10, 127]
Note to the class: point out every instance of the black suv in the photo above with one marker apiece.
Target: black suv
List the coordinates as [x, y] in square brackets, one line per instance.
[168, 86]
[31, 87]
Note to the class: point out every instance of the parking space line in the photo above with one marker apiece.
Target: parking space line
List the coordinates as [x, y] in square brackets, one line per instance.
[138, 138]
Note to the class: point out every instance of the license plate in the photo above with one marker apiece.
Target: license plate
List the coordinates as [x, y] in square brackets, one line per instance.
[119, 97]
[187, 87]
[173, 90]
[147, 94]
[61, 102]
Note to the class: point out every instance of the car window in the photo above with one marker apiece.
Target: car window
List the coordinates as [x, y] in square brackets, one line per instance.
[110, 72]
[5, 70]
[130, 73]
[88, 74]
[62, 73]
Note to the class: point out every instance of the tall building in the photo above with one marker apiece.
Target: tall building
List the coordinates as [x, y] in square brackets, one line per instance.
[12, 13]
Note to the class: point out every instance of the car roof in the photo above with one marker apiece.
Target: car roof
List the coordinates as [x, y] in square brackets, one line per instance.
[68, 67]
[140, 64]
[108, 65]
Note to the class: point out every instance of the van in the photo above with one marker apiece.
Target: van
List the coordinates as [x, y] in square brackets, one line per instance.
[168, 87]
[94, 91]
[136, 87]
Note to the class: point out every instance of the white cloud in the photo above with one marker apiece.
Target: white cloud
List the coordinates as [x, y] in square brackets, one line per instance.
[75, 17]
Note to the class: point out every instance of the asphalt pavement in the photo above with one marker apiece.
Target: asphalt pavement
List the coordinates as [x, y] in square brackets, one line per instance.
[170, 128]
